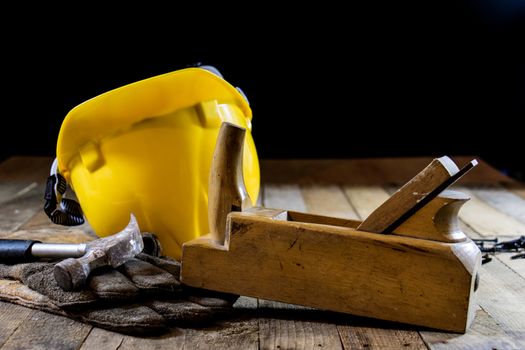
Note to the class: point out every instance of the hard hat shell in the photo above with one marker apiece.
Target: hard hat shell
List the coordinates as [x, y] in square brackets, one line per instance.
[146, 148]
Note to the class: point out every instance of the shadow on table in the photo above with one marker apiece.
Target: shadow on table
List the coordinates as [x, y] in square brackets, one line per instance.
[302, 314]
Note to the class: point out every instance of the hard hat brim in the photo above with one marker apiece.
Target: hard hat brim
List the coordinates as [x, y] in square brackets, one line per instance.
[116, 109]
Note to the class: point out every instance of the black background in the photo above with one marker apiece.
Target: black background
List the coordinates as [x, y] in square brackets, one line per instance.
[373, 80]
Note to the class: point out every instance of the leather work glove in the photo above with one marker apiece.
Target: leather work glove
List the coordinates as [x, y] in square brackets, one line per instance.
[143, 295]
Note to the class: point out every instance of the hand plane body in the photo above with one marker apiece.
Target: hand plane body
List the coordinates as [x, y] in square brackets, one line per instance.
[407, 262]
[327, 263]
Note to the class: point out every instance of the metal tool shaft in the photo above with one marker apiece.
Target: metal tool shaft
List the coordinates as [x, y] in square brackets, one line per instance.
[58, 250]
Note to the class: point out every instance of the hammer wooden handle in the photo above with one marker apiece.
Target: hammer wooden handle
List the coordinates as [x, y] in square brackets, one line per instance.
[226, 192]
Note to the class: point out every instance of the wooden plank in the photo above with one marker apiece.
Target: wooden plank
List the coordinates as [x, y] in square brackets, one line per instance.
[219, 337]
[11, 317]
[21, 208]
[503, 200]
[15, 212]
[241, 332]
[46, 331]
[225, 335]
[343, 176]
[40, 221]
[509, 221]
[99, 339]
[327, 200]
[355, 336]
[365, 199]
[518, 265]
[305, 331]
[22, 182]
[236, 334]
[19, 175]
[10, 190]
[288, 197]
[501, 295]
[484, 333]
[286, 333]
[487, 220]
[174, 339]
[377, 338]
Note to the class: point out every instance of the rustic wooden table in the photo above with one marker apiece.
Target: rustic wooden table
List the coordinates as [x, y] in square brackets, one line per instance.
[344, 188]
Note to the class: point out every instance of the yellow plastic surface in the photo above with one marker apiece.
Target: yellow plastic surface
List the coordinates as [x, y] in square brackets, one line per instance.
[146, 148]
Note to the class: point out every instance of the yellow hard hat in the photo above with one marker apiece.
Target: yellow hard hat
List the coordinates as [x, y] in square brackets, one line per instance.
[146, 148]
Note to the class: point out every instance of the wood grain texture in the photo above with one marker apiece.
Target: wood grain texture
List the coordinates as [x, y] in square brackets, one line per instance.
[501, 295]
[503, 200]
[306, 333]
[376, 338]
[327, 200]
[283, 332]
[502, 280]
[365, 199]
[174, 339]
[438, 340]
[46, 331]
[428, 280]
[285, 326]
[509, 220]
[40, 221]
[354, 336]
[226, 335]
[10, 190]
[288, 197]
[99, 339]
[19, 209]
[487, 220]
[516, 265]
[21, 192]
[239, 332]
[487, 331]
[11, 317]
[408, 198]
[438, 220]
[22, 182]
[227, 191]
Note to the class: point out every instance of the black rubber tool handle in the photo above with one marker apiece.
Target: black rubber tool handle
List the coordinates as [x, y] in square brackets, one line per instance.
[16, 250]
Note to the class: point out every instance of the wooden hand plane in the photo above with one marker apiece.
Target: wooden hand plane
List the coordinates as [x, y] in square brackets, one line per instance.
[407, 262]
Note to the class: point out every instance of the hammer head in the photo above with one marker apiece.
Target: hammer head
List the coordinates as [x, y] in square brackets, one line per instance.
[109, 251]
